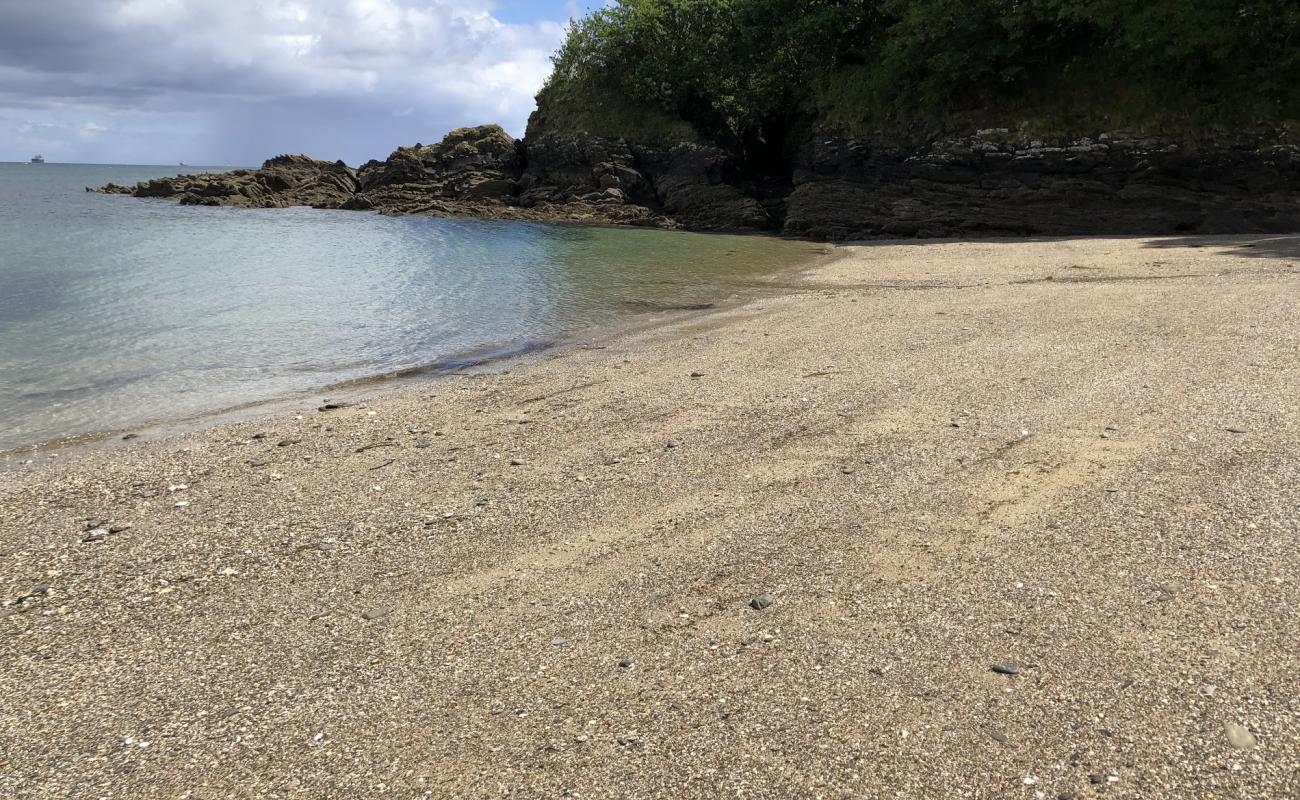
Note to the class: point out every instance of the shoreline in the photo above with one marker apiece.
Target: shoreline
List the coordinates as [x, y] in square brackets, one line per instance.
[358, 390]
[984, 519]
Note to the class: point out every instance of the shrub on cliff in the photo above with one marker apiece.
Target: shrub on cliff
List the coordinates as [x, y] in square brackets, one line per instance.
[759, 74]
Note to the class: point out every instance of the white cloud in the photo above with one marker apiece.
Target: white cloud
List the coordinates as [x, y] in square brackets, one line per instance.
[259, 64]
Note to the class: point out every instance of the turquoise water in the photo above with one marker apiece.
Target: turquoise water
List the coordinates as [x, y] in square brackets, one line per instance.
[115, 311]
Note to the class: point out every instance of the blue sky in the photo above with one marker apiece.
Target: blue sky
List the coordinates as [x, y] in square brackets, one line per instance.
[237, 81]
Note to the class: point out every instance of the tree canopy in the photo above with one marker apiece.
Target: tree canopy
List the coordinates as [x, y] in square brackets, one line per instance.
[756, 74]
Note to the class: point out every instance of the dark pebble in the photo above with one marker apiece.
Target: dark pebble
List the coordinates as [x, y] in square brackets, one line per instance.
[673, 443]
[624, 663]
[761, 602]
[1236, 430]
[697, 374]
[130, 436]
[998, 736]
[1095, 779]
[289, 442]
[1007, 668]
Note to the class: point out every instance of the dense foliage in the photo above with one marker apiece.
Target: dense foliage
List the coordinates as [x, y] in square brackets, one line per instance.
[759, 73]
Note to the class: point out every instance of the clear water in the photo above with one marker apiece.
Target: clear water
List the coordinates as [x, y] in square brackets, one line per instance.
[116, 311]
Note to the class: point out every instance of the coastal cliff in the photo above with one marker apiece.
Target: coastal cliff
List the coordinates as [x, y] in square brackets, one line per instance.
[846, 120]
[839, 188]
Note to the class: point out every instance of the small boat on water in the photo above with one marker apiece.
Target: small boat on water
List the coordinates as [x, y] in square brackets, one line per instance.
[38, 159]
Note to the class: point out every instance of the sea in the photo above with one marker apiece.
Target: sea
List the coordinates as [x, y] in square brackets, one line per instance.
[118, 312]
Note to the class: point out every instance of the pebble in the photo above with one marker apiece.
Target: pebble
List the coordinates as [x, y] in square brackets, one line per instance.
[1235, 430]
[517, 462]
[375, 613]
[673, 443]
[94, 535]
[624, 663]
[761, 602]
[559, 641]
[1007, 668]
[289, 442]
[1239, 737]
[258, 462]
[998, 736]
[697, 374]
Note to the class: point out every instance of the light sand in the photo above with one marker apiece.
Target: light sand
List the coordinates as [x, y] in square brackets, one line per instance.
[1142, 579]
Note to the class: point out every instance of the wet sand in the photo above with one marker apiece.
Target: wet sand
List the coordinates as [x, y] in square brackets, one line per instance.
[1026, 514]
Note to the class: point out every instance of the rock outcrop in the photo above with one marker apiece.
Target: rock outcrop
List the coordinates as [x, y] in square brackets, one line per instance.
[988, 183]
[995, 183]
[281, 182]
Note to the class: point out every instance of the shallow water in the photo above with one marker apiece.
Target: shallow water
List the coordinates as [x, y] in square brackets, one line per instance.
[115, 312]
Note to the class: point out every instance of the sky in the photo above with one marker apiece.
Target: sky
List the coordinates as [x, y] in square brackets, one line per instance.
[234, 82]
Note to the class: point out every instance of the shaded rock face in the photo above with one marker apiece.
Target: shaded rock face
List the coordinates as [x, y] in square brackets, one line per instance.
[698, 186]
[990, 183]
[993, 184]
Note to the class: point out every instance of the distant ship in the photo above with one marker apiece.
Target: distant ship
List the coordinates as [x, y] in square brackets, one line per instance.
[38, 159]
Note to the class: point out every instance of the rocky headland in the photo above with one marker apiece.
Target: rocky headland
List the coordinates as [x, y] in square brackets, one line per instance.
[990, 182]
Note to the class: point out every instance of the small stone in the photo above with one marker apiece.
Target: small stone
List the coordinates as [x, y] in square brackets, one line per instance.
[289, 442]
[673, 444]
[1235, 430]
[998, 736]
[374, 614]
[423, 444]
[697, 374]
[95, 535]
[761, 602]
[258, 462]
[559, 641]
[115, 529]
[624, 663]
[1239, 737]
[1007, 668]
[517, 462]
[1095, 779]
[955, 424]
[258, 436]
[130, 436]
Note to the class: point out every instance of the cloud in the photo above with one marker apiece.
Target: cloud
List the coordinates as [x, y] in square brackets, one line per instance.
[238, 80]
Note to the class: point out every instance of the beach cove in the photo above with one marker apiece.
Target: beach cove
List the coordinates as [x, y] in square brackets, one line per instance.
[1006, 518]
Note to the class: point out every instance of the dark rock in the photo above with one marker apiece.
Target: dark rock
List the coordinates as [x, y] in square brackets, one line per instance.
[998, 736]
[624, 663]
[982, 183]
[1006, 668]
[761, 602]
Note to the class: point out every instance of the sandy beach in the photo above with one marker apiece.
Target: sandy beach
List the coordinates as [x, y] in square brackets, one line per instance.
[948, 519]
